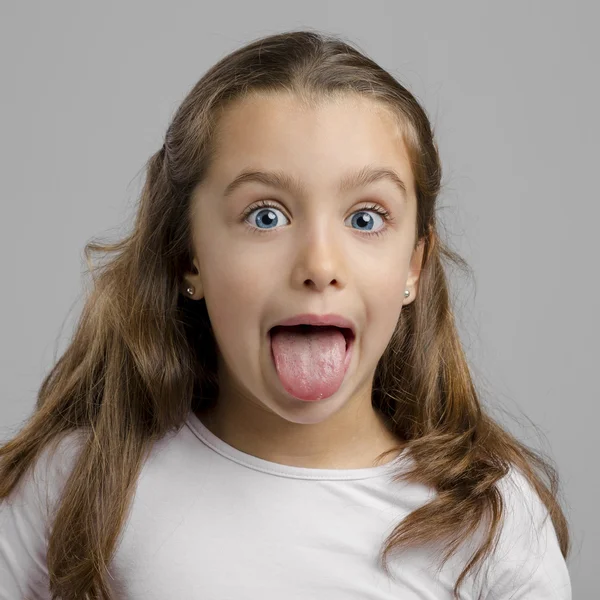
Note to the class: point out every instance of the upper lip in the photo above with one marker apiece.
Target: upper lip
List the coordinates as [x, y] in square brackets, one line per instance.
[312, 319]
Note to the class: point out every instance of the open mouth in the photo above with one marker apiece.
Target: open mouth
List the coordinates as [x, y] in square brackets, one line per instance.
[307, 329]
[310, 361]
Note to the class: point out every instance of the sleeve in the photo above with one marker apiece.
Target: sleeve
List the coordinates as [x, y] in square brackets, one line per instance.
[527, 563]
[24, 520]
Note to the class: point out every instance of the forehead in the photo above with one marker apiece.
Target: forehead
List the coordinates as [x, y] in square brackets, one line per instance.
[316, 142]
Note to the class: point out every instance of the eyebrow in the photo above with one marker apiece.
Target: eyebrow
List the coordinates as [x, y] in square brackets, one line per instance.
[282, 180]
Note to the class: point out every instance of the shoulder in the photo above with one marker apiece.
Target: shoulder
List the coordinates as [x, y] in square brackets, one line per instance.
[527, 561]
[42, 484]
[25, 518]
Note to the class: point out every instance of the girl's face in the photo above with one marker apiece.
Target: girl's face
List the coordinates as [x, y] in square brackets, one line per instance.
[315, 249]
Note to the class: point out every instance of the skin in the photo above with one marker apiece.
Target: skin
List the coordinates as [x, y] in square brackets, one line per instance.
[314, 257]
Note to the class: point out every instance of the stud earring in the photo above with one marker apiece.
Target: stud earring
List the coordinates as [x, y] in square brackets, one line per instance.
[190, 291]
[406, 293]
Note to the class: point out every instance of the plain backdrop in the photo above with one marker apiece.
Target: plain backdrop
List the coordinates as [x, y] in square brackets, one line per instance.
[87, 91]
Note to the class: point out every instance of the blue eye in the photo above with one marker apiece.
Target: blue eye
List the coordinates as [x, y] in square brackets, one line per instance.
[267, 216]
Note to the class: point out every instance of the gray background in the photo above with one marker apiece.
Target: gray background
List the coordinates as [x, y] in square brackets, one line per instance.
[512, 90]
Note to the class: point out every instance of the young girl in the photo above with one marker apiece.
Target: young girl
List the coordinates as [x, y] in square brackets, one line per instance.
[266, 395]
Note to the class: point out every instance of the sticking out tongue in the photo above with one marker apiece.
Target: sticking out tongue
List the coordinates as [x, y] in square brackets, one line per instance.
[309, 360]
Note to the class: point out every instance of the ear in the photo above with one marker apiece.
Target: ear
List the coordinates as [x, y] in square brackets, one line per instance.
[192, 279]
[414, 271]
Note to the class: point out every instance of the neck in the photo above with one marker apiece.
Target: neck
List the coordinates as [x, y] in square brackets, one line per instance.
[355, 437]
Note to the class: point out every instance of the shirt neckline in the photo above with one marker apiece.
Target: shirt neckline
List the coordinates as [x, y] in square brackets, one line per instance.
[258, 464]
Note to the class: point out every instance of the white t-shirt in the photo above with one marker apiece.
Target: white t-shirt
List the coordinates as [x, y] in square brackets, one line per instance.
[210, 521]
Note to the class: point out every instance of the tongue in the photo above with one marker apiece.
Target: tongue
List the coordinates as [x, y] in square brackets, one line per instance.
[310, 363]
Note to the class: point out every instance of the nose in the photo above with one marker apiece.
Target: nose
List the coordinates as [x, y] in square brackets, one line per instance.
[320, 260]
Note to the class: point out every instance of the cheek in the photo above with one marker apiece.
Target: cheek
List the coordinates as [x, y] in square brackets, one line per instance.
[228, 269]
[384, 272]
[235, 289]
[383, 284]
[386, 300]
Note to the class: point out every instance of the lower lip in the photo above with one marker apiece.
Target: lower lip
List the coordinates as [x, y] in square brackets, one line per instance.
[347, 359]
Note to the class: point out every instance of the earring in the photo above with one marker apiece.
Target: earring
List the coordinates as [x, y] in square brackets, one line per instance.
[190, 290]
[406, 293]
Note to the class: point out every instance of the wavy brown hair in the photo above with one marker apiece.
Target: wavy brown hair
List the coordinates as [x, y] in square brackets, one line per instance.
[142, 355]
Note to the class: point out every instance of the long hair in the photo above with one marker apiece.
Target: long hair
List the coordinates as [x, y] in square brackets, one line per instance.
[142, 355]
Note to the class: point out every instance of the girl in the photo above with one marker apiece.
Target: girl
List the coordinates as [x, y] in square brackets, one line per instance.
[266, 395]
